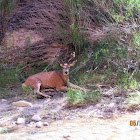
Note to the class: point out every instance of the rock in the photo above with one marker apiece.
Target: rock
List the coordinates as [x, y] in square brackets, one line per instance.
[46, 124]
[36, 118]
[2, 124]
[13, 123]
[100, 117]
[39, 124]
[22, 103]
[3, 100]
[111, 105]
[20, 121]
[31, 124]
[1, 129]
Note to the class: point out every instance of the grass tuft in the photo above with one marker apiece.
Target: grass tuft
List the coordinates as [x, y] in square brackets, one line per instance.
[80, 97]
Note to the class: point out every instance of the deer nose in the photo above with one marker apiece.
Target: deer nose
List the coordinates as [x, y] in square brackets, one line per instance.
[66, 72]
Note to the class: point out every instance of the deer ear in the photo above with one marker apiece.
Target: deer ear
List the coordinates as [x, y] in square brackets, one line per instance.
[73, 63]
[61, 64]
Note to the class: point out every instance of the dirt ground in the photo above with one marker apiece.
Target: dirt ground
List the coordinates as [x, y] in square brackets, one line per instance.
[91, 122]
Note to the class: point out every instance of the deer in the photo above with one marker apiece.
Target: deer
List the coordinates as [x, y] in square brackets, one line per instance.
[52, 79]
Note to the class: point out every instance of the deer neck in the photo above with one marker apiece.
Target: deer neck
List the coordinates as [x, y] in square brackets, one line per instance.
[65, 77]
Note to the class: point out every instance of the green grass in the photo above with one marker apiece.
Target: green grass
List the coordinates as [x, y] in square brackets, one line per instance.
[16, 75]
[9, 77]
[107, 75]
[28, 91]
[3, 131]
[133, 99]
[4, 92]
[80, 97]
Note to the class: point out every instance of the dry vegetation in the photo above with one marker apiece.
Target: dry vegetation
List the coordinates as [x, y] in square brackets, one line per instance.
[105, 37]
[32, 29]
[33, 26]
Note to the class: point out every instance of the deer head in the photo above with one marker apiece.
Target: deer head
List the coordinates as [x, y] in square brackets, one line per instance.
[66, 66]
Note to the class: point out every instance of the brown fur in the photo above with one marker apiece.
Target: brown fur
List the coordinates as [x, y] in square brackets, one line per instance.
[51, 79]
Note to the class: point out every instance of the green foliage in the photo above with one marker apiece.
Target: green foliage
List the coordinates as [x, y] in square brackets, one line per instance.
[9, 76]
[118, 10]
[107, 51]
[133, 84]
[28, 91]
[3, 131]
[78, 38]
[125, 82]
[10, 81]
[128, 9]
[107, 64]
[137, 40]
[108, 60]
[4, 91]
[79, 97]
[133, 98]
[6, 7]
[28, 44]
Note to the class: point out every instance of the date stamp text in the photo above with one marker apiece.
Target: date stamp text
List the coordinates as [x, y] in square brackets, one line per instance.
[134, 123]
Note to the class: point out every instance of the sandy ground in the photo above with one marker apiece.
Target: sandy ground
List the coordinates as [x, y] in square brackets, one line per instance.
[88, 123]
[81, 129]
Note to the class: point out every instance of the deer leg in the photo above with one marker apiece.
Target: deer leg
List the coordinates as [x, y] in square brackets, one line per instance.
[48, 90]
[37, 90]
[62, 88]
[75, 86]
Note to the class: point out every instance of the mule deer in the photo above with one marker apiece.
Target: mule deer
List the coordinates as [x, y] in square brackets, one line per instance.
[52, 79]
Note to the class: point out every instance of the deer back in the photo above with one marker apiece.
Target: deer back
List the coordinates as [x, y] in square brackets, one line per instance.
[50, 79]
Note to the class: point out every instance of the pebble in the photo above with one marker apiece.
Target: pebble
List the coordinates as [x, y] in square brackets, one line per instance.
[46, 124]
[111, 105]
[20, 121]
[1, 129]
[22, 103]
[3, 100]
[36, 118]
[2, 124]
[13, 123]
[31, 124]
[39, 124]
[100, 116]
